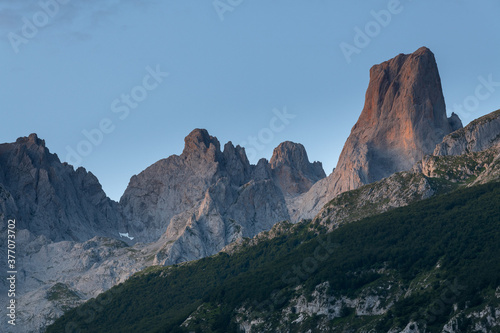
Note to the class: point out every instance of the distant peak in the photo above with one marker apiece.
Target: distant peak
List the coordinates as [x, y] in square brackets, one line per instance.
[289, 153]
[403, 119]
[294, 155]
[199, 139]
[423, 50]
[31, 139]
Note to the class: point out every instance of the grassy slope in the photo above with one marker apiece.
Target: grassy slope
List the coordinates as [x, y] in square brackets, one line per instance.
[460, 230]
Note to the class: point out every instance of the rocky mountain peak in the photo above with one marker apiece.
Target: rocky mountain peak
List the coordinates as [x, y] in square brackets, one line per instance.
[236, 163]
[32, 139]
[405, 88]
[200, 141]
[455, 122]
[292, 169]
[289, 153]
[49, 198]
[403, 119]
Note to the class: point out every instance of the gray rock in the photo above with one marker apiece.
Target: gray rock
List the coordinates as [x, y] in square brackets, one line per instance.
[54, 277]
[193, 205]
[480, 134]
[291, 169]
[50, 198]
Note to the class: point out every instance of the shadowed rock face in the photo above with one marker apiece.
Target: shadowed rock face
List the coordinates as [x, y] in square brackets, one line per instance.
[403, 119]
[49, 198]
[292, 171]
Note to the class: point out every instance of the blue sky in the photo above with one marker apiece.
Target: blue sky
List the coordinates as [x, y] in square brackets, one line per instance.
[138, 76]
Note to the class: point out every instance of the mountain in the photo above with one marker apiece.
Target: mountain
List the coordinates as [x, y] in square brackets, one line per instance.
[98, 264]
[181, 208]
[476, 136]
[403, 119]
[434, 175]
[427, 267]
[52, 199]
[194, 204]
[210, 199]
[291, 169]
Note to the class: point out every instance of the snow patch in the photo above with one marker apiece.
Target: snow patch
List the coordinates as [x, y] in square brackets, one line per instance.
[126, 235]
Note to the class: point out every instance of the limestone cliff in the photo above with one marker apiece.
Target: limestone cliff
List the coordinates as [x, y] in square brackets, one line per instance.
[193, 205]
[480, 134]
[403, 119]
[50, 198]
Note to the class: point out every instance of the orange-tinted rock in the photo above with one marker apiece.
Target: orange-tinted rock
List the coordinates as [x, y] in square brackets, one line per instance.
[403, 119]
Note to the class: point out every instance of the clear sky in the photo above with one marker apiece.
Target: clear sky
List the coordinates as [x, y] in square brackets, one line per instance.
[254, 72]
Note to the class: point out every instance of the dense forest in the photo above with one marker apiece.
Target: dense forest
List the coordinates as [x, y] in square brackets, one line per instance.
[451, 239]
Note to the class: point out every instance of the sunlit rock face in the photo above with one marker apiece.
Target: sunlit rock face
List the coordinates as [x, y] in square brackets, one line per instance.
[403, 119]
[194, 204]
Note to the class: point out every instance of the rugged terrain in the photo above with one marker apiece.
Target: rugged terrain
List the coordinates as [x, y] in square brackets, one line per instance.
[182, 208]
[52, 199]
[402, 150]
[403, 119]
[193, 205]
[428, 267]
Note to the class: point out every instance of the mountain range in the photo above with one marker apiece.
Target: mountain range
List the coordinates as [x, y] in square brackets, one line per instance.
[403, 149]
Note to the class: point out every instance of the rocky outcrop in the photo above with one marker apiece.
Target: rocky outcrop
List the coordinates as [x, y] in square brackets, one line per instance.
[194, 204]
[394, 191]
[318, 304]
[292, 171]
[50, 198]
[461, 168]
[171, 186]
[179, 209]
[56, 276]
[403, 119]
[431, 176]
[479, 135]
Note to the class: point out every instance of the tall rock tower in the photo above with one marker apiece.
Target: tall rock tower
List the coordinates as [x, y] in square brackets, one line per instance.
[403, 119]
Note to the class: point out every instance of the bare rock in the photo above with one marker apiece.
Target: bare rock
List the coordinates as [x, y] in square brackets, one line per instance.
[403, 119]
[479, 135]
[50, 198]
[193, 205]
[292, 170]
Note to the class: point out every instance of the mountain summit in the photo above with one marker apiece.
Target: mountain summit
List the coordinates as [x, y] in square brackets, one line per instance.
[196, 203]
[50, 198]
[403, 119]
[292, 170]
